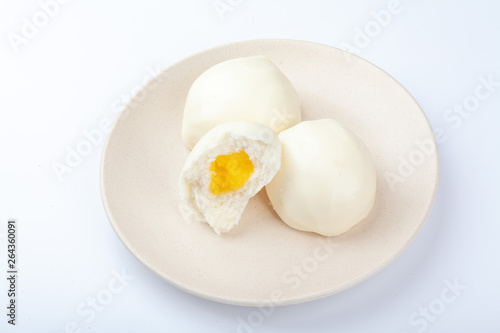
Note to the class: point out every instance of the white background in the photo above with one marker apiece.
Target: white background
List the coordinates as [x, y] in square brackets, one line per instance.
[71, 73]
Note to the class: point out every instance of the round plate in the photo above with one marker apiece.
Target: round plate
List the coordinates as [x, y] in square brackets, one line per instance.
[262, 260]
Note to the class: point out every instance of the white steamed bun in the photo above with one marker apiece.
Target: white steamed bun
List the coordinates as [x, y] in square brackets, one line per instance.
[228, 166]
[327, 180]
[241, 89]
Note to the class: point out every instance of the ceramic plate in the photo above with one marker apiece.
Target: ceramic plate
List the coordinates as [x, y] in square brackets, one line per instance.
[262, 260]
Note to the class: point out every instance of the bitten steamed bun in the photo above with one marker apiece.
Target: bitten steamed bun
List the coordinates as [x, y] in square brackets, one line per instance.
[241, 89]
[227, 167]
[327, 180]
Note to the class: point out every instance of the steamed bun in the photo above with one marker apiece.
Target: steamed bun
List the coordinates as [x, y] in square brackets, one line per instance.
[327, 180]
[241, 89]
[228, 166]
